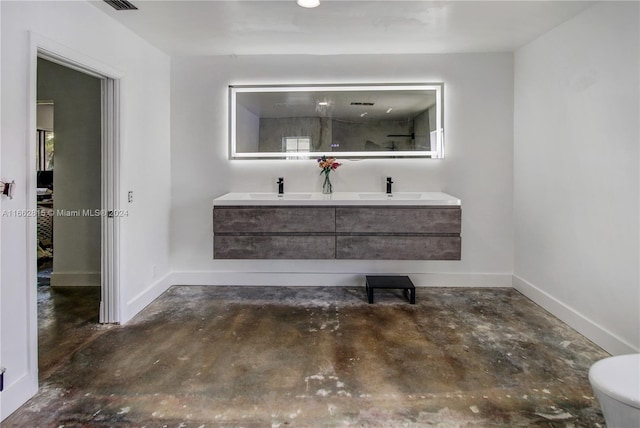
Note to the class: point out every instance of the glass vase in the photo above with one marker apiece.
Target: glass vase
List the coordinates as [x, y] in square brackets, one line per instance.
[327, 187]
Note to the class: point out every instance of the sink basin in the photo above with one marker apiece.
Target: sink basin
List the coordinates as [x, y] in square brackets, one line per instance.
[275, 196]
[403, 196]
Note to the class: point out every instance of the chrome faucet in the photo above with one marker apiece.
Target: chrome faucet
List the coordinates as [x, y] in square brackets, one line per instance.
[389, 183]
[281, 186]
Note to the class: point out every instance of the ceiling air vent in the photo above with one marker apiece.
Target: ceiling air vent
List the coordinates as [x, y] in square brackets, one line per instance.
[357, 103]
[120, 4]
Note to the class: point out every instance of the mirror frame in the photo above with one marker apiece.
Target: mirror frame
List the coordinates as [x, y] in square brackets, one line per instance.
[438, 153]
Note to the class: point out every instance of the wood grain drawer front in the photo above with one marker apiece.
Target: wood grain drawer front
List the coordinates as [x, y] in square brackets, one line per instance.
[387, 247]
[411, 220]
[274, 219]
[273, 247]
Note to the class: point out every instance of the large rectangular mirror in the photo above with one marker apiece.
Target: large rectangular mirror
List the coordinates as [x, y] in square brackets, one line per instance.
[347, 121]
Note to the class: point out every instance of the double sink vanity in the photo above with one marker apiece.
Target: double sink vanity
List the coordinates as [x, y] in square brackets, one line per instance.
[305, 122]
[341, 225]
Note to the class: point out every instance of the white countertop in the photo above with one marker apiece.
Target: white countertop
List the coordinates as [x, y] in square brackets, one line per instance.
[338, 198]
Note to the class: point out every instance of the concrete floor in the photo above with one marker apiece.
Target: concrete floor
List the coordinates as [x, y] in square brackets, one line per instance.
[67, 320]
[320, 356]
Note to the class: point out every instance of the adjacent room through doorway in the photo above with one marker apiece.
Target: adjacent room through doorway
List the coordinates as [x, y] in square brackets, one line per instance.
[69, 135]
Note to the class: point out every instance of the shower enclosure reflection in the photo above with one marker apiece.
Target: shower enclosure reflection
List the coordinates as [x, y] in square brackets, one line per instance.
[299, 122]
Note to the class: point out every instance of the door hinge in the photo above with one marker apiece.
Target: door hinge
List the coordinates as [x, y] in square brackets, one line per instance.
[2, 370]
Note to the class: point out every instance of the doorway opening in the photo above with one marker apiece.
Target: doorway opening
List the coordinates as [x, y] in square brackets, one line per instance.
[81, 188]
[69, 183]
[107, 168]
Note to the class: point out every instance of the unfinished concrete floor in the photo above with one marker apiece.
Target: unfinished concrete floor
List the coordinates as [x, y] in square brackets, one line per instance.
[322, 356]
[67, 320]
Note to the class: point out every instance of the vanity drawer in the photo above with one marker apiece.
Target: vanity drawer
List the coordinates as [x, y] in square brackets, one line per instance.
[274, 247]
[337, 232]
[406, 220]
[386, 247]
[273, 219]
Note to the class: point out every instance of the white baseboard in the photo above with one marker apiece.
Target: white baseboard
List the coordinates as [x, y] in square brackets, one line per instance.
[335, 279]
[17, 393]
[139, 302]
[581, 323]
[75, 279]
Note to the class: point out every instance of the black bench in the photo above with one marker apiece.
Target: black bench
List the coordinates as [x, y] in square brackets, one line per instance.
[397, 282]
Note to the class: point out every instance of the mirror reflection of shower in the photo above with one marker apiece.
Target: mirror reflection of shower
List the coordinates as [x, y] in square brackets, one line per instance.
[297, 122]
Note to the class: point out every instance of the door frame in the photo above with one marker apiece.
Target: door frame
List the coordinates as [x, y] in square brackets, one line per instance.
[110, 305]
[1, 178]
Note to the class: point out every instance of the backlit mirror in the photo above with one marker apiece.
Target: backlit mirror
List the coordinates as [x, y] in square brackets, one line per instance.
[347, 121]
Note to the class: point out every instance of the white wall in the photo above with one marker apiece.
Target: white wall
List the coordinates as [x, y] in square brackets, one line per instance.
[145, 167]
[576, 173]
[478, 165]
[77, 129]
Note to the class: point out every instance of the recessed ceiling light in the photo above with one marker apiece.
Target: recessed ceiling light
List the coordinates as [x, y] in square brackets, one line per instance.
[389, 110]
[323, 103]
[308, 3]
[363, 114]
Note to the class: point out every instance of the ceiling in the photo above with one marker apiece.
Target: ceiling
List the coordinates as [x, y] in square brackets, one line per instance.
[239, 27]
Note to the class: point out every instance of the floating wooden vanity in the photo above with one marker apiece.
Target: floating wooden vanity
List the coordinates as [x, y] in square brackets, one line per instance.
[406, 226]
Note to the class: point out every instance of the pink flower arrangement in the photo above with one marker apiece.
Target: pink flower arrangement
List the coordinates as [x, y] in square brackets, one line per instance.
[326, 166]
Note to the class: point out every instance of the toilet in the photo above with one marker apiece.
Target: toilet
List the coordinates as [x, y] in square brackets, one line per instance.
[616, 382]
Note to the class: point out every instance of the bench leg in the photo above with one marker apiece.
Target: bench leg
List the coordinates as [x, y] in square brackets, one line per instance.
[410, 295]
[369, 293]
